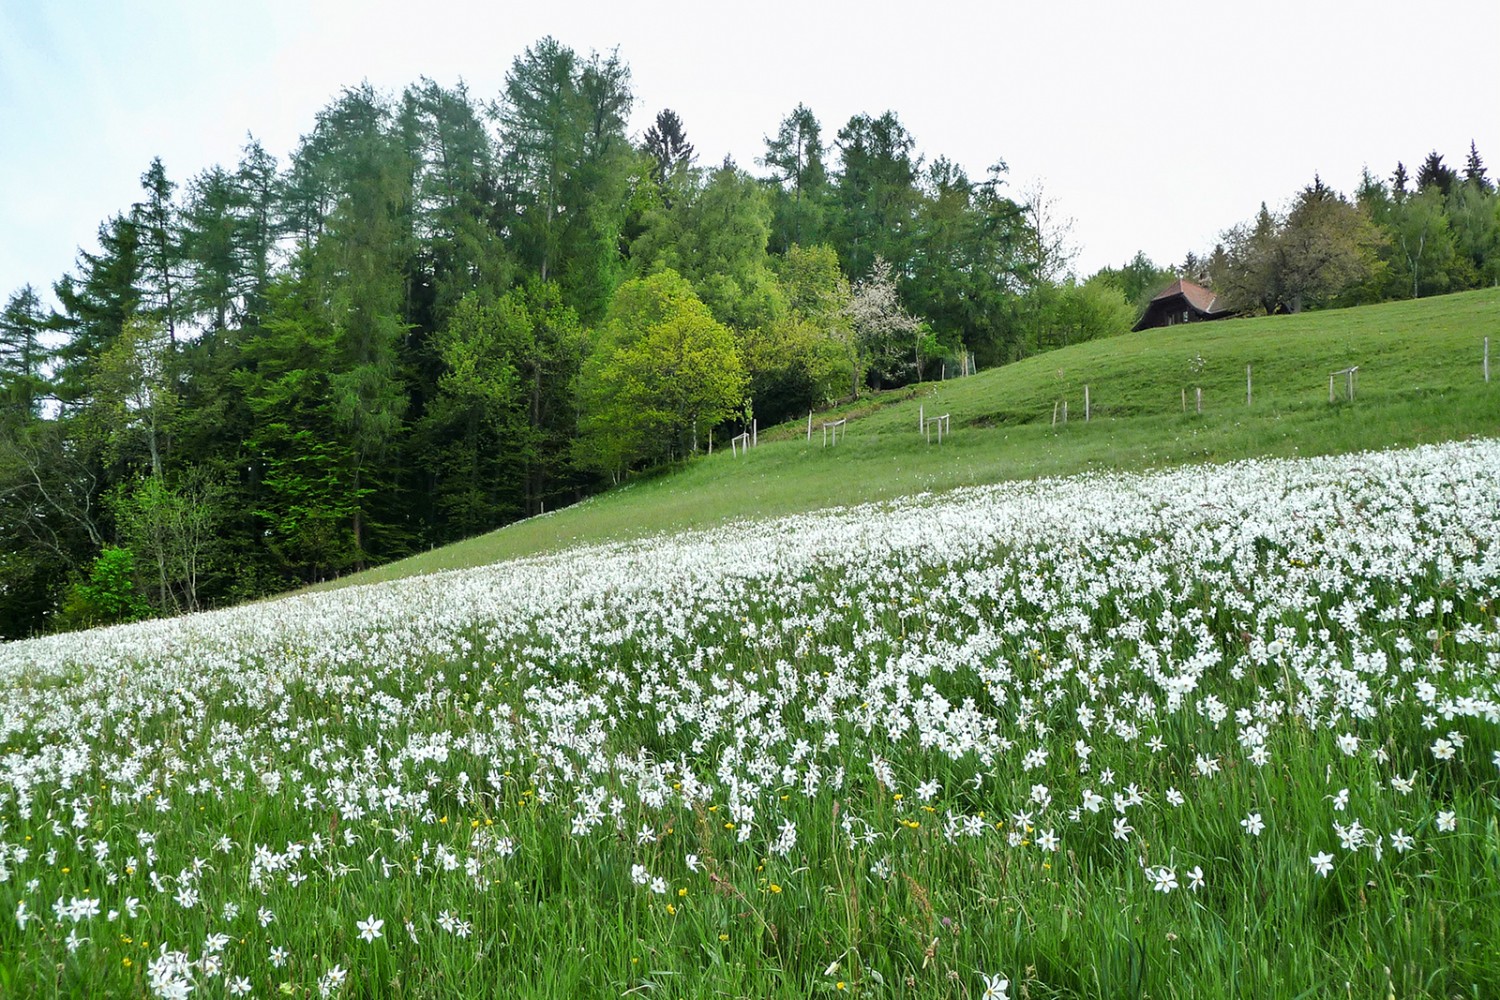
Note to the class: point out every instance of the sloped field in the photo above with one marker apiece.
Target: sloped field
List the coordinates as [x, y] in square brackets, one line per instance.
[1216, 731]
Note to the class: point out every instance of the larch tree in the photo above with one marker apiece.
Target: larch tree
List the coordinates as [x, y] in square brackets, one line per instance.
[800, 179]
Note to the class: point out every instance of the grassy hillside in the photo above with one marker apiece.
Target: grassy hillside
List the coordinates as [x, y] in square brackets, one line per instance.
[1419, 382]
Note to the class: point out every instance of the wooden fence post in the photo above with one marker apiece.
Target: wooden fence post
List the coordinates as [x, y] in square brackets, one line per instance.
[1486, 359]
[1248, 394]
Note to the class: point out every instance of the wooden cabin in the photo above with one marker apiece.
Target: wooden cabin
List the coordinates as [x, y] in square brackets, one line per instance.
[1181, 302]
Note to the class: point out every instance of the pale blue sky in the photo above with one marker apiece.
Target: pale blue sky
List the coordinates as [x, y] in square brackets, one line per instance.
[1153, 125]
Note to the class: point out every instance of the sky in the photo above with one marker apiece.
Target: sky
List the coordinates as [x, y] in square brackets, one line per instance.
[1153, 126]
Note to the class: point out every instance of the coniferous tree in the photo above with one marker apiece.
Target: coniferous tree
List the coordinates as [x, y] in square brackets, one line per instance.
[160, 234]
[454, 193]
[96, 304]
[800, 180]
[260, 195]
[213, 283]
[666, 143]
[1474, 171]
[541, 135]
[22, 354]
[1435, 173]
[876, 196]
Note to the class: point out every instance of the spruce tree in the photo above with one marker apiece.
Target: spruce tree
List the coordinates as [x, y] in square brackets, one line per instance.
[1474, 171]
[666, 143]
[161, 248]
[21, 354]
[1435, 173]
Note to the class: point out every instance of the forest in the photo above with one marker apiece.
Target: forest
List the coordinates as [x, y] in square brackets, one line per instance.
[447, 311]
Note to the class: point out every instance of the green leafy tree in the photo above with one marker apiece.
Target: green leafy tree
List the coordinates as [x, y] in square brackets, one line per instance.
[540, 130]
[133, 404]
[358, 270]
[1423, 244]
[662, 374]
[1473, 211]
[505, 414]
[1073, 313]
[808, 356]
[109, 596]
[968, 258]
[1138, 280]
[1326, 246]
[1247, 272]
[173, 526]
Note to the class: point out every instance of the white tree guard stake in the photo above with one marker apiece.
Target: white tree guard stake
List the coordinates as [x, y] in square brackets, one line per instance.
[1184, 400]
[809, 426]
[1486, 359]
[740, 441]
[1351, 382]
[1199, 391]
[1087, 408]
[1247, 385]
[754, 431]
[941, 423]
[834, 426]
[1055, 406]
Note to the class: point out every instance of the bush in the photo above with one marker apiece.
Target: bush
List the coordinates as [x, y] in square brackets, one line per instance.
[108, 597]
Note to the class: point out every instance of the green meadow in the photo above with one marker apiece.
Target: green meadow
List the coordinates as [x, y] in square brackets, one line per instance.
[1419, 381]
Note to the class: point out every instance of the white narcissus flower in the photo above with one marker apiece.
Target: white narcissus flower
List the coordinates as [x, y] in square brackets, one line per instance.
[996, 987]
[1322, 863]
[370, 928]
